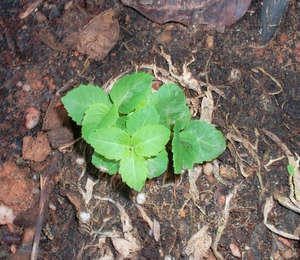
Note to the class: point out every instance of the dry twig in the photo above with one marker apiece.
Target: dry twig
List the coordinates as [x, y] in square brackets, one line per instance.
[294, 161]
[224, 221]
[268, 207]
[30, 8]
[252, 149]
[272, 78]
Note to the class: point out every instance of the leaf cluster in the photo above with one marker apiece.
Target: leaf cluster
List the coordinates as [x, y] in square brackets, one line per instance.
[131, 128]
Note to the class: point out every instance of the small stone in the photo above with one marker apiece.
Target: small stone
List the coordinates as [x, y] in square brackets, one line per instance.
[165, 36]
[84, 216]
[283, 38]
[16, 191]
[221, 200]
[40, 17]
[60, 136]
[208, 169]
[80, 161]
[6, 215]
[228, 172]
[56, 115]
[235, 75]
[235, 250]
[32, 117]
[19, 84]
[288, 254]
[36, 149]
[26, 87]
[52, 206]
[210, 41]
[141, 198]
[28, 235]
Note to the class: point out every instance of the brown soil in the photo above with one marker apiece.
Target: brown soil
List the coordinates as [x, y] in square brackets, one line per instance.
[257, 89]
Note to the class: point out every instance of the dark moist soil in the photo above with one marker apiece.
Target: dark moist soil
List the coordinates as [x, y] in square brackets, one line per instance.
[254, 99]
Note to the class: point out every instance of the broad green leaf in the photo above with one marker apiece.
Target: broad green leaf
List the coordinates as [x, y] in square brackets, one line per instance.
[78, 100]
[157, 165]
[211, 142]
[170, 103]
[121, 122]
[183, 120]
[130, 91]
[113, 143]
[150, 140]
[105, 165]
[98, 116]
[134, 171]
[144, 116]
[185, 151]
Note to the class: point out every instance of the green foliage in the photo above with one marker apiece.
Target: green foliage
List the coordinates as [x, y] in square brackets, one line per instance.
[131, 129]
[80, 99]
[290, 169]
[157, 165]
[109, 166]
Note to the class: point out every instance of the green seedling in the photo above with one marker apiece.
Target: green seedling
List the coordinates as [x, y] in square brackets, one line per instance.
[132, 130]
[290, 169]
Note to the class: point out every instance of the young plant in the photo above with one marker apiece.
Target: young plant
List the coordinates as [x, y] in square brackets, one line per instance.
[132, 128]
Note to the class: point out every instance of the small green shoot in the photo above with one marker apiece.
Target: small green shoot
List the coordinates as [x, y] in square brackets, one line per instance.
[131, 129]
[291, 169]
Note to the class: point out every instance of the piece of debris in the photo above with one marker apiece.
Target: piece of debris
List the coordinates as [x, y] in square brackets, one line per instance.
[165, 37]
[130, 245]
[17, 193]
[235, 136]
[214, 14]
[235, 250]
[56, 115]
[30, 8]
[199, 244]
[293, 201]
[154, 225]
[224, 221]
[34, 78]
[210, 41]
[207, 107]
[47, 184]
[216, 172]
[32, 117]
[208, 168]
[60, 136]
[98, 37]
[228, 172]
[193, 177]
[7, 215]
[48, 38]
[36, 149]
[267, 208]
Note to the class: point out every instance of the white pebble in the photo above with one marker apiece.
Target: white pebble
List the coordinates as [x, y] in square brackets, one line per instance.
[6, 215]
[141, 198]
[80, 161]
[19, 84]
[26, 87]
[208, 169]
[32, 117]
[84, 217]
[235, 250]
[52, 206]
[168, 257]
